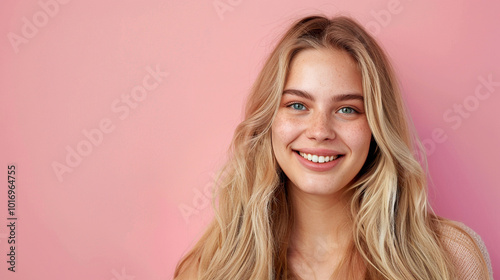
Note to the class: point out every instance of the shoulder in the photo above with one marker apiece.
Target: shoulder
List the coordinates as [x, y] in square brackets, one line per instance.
[466, 250]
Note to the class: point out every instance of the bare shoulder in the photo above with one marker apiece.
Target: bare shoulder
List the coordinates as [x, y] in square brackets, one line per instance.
[466, 250]
[188, 271]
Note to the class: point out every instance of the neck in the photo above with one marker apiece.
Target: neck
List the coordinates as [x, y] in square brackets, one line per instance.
[321, 222]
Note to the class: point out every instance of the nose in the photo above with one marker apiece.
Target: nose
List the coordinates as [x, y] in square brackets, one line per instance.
[320, 127]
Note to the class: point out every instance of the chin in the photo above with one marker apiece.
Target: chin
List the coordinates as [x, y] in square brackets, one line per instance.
[316, 188]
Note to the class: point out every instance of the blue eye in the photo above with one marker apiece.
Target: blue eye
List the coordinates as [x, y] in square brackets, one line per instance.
[298, 106]
[347, 110]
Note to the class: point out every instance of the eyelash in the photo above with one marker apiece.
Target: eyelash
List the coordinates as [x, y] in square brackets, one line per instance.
[292, 105]
[350, 108]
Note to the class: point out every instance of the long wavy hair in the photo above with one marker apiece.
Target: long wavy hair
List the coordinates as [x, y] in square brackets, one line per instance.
[395, 232]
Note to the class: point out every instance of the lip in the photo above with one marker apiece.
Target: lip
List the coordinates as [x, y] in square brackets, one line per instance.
[316, 166]
[319, 152]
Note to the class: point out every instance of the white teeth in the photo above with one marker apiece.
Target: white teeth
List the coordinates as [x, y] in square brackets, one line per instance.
[316, 158]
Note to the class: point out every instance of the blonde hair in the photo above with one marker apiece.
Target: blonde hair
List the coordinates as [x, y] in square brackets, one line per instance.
[395, 234]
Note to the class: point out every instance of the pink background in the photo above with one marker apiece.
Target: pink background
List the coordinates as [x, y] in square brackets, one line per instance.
[117, 214]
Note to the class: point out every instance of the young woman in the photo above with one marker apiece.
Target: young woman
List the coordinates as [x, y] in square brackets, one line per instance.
[322, 180]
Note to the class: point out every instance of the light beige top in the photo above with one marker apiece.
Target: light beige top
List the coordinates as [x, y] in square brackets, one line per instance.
[465, 254]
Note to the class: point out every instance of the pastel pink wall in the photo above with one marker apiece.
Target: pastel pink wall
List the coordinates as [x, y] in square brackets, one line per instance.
[74, 68]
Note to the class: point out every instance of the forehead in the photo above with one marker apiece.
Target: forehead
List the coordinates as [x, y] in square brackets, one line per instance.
[324, 71]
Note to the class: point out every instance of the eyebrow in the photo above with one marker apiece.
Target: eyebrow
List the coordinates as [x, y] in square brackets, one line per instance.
[336, 98]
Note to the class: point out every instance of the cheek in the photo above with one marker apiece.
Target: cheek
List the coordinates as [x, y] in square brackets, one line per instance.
[359, 137]
[284, 131]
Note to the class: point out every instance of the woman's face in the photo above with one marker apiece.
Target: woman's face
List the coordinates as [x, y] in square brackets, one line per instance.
[320, 135]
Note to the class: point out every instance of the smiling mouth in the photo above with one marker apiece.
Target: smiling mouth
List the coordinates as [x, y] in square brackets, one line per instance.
[318, 159]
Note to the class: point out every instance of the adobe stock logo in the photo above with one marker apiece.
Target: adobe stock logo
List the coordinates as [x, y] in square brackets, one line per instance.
[459, 112]
[383, 18]
[121, 276]
[223, 6]
[200, 201]
[122, 107]
[31, 27]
